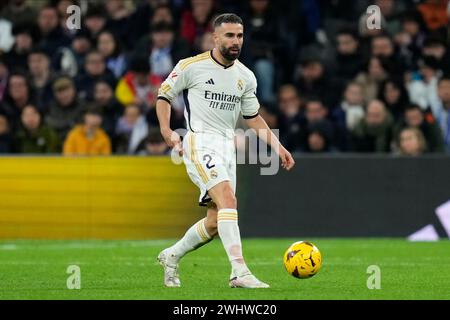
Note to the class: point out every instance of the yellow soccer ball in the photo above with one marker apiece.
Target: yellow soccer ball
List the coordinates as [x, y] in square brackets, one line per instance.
[302, 259]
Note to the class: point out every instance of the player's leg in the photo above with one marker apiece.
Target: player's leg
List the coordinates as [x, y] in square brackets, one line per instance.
[195, 237]
[211, 219]
[228, 229]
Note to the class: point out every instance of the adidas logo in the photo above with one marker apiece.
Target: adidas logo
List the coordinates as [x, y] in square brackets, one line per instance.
[210, 81]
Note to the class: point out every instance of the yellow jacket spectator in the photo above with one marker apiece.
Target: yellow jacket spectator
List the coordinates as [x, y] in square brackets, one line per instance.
[88, 138]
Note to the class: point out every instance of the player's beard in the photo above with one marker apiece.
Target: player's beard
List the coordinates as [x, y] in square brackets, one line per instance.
[228, 54]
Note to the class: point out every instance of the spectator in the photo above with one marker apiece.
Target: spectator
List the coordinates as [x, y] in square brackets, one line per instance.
[263, 44]
[19, 12]
[162, 13]
[41, 78]
[94, 21]
[110, 48]
[88, 139]
[348, 60]
[436, 47]
[52, 36]
[441, 109]
[290, 118]
[131, 130]
[138, 86]
[164, 49]
[383, 46]
[139, 24]
[395, 97]
[5, 135]
[411, 38]
[66, 110]
[390, 10]
[72, 60]
[118, 19]
[318, 139]
[435, 14]
[313, 81]
[94, 70]
[374, 132]
[4, 75]
[196, 21]
[6, 36]
[34, 136]
[351, 110]
[153, 145]
[370, 79]
[18, 96]
[25, 38]
[61, 7]
[316, 114]
[415, 118]
[412, 142]
[410, 50]
[423, 89]
[108, 106]
[365, 33]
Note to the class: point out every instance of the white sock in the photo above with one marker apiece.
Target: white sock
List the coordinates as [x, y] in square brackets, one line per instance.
[227, 226]
[194, 238]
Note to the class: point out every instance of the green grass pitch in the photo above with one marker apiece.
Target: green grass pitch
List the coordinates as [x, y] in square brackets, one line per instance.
[128, 270]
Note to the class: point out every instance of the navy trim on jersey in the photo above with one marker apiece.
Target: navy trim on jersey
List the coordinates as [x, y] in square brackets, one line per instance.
[250, 117]
[163, 98]
[224, 66]
[188, 108]
[204, 201]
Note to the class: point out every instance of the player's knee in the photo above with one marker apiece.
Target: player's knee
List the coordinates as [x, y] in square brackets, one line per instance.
[211, 225]
[229, 200]
[224, 197]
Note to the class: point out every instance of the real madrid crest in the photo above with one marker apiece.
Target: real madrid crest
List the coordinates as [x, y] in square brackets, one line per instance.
[213, 174]
[240, 85]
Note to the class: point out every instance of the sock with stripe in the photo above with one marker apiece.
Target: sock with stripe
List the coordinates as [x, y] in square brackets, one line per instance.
[227, 226]
[193, 239]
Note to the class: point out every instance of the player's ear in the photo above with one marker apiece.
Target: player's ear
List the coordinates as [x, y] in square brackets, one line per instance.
[215, 38]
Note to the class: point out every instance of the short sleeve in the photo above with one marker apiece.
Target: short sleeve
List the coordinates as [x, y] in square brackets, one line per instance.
[249, 103]
[175, 83]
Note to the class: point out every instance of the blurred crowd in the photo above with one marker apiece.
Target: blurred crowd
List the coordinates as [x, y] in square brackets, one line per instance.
[325, 80]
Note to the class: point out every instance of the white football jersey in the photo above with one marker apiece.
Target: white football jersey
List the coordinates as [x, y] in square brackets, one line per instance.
[213, 94]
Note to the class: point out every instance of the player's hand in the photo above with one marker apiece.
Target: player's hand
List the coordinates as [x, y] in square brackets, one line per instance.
[173, 140]
[287, 162]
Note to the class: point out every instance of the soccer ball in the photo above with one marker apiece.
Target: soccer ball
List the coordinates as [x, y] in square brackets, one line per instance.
[302, 259]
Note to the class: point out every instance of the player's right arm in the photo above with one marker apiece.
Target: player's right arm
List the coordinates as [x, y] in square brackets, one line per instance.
[172, 138]
[170, 88]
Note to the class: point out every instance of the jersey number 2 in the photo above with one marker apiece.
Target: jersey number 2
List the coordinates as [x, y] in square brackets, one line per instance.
[208, 159]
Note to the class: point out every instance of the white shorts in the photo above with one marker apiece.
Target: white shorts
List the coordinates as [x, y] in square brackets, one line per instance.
[209, 159]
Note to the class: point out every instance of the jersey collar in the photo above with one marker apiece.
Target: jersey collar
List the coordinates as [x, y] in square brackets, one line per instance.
[216, 61]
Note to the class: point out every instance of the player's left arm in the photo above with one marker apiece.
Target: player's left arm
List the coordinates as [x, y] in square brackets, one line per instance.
[249, 109]
[263, 131]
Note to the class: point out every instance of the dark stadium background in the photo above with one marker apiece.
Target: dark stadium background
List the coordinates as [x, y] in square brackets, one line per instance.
[89, 193]
[349, 102]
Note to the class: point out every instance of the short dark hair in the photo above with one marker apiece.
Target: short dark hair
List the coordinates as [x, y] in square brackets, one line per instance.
[162, 26]
[315, 99]
[227, 18]
[93, 109]
[445, 77]
[40, 51]
[413, 106]
[433, 41]
[139, 64]
[352, 32]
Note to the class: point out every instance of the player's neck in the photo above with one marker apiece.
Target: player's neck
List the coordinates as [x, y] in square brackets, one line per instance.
[218, 57]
